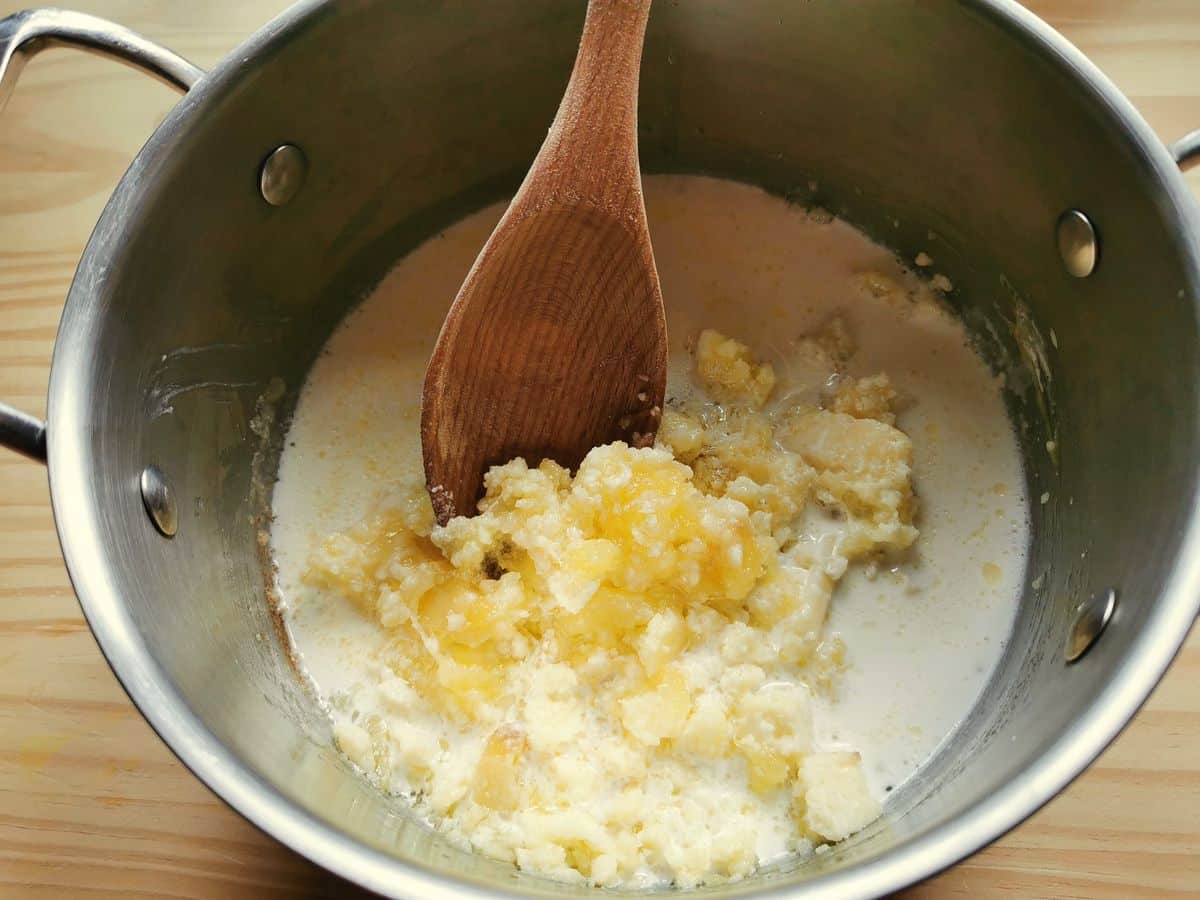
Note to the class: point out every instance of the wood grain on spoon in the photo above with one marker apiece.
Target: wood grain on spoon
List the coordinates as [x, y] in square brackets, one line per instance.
[556, 342]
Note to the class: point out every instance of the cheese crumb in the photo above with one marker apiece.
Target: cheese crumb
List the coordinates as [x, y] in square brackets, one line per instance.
[834, 796]
[866, 398]
[729, 372]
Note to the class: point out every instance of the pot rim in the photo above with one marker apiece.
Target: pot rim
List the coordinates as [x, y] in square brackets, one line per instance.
[151, 690]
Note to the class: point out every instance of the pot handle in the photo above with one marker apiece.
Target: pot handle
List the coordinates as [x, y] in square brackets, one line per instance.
[1186, 150]
[24, 35]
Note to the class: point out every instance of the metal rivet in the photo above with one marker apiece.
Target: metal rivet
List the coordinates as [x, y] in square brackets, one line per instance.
[1078, 244]
[282, 174]
[1090, 620]
[159, 501]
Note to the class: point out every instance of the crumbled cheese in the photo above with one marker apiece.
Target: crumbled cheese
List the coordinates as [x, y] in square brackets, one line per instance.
[834, 796]
[611, 674]
[829, 348]
[866, 398]
[729, 372]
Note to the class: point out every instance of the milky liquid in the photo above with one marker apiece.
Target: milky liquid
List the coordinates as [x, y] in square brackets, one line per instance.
[921, 640]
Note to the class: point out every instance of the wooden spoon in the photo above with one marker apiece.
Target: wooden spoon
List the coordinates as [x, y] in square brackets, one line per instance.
[556, 342]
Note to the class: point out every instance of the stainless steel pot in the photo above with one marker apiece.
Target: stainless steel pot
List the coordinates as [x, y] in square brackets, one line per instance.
[220, 265]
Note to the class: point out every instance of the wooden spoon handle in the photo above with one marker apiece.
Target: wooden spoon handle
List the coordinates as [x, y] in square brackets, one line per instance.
[557, 342]
[590, 153]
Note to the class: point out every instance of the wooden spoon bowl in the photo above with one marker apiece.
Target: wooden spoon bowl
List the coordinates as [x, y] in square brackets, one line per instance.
[556, 341]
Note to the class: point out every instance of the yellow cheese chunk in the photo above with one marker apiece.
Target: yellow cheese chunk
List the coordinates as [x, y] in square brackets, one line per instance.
[729, 372]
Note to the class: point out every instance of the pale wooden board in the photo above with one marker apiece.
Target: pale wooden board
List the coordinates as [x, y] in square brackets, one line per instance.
[91, 802]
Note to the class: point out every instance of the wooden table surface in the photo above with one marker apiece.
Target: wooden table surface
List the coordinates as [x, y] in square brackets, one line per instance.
[91, 802]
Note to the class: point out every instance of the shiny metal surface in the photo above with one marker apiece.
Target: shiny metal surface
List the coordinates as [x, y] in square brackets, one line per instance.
[23, 433]
[413, 114]
[282, 174]
[22, 36]
[1091, 619]
[1078, 243]
[1186, 150]
[159, 501]
[25, 34]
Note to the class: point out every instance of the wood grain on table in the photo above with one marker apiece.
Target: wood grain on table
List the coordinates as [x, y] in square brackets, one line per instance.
[92, 803]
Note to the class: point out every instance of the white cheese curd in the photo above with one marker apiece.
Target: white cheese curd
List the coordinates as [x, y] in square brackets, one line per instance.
[684, 662]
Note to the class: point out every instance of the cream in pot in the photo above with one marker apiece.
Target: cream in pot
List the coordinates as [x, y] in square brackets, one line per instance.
[929, 624]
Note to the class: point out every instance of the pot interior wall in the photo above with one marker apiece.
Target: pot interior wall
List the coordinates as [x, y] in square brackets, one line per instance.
[906, 118]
